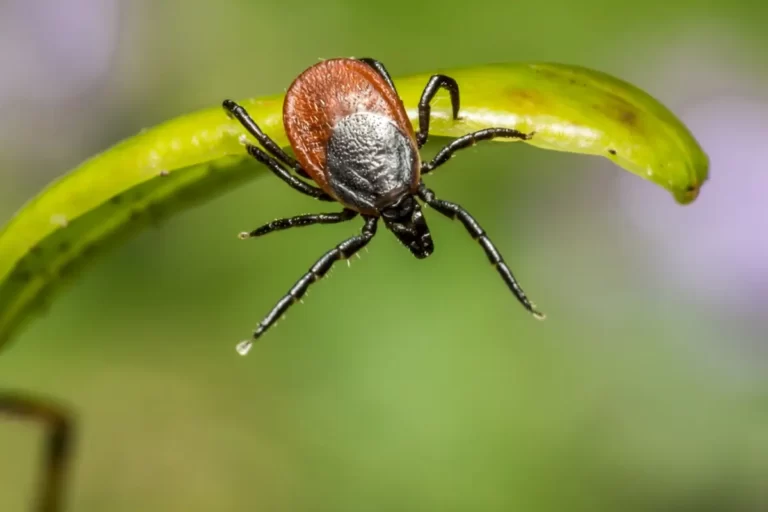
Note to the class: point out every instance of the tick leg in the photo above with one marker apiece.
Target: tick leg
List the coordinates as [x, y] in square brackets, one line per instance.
[435, 83]
[455, 211]
[470, 140]
[344, 250]
[286, 176]
[239, 113]
[301, 220]
[59, 441]
[379, 67]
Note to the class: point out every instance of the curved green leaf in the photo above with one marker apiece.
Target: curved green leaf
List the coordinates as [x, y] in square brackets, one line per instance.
[196, 157]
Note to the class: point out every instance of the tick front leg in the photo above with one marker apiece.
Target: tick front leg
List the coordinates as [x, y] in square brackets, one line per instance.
[454, 211]
[284, 175]
[344, 250]
[58, 439]
[436, 82]
[301, 220]
[239, 113]
[470, 140]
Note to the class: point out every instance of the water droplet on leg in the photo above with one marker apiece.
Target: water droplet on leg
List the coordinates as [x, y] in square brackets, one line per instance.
[244, 347]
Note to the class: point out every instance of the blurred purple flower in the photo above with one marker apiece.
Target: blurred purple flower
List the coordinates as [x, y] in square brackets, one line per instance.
[51, 49]
[716, 247]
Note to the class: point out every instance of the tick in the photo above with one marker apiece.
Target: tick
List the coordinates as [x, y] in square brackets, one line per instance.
[354, 145]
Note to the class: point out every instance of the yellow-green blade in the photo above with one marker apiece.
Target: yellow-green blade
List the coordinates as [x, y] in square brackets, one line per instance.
[197, 157]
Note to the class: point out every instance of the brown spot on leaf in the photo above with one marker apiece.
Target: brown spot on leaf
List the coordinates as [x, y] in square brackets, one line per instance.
[525, 98]
[692, 192]
[628, 117]
[620, 110]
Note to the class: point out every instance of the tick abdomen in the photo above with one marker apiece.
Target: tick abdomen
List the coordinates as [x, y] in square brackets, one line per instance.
[370, 161]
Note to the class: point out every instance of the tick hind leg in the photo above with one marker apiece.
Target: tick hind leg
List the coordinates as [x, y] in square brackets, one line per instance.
[301, 220]
[436, 82]
[59, 440]
[286, 176]
[454, 211]
[274, 149]
[344, 250]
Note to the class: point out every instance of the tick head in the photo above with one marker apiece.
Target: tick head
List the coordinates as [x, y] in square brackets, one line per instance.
[406, 220]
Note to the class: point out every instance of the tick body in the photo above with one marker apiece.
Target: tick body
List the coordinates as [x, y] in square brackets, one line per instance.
[354, 145]
[351, 134]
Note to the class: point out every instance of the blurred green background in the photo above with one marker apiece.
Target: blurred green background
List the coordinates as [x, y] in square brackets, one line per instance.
[402, 384]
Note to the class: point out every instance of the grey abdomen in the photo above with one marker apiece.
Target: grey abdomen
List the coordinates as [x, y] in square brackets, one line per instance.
[371, 162]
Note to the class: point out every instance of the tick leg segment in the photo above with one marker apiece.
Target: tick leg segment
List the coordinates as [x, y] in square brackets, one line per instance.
[301, 220]
[59, 444]
[239, 113]
[454, 211]
[344, 250]
[470, 140]
[378, 66]
[435, 83]
[284, 175]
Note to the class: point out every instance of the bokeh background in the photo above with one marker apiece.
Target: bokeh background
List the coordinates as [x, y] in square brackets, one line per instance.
[402, 384]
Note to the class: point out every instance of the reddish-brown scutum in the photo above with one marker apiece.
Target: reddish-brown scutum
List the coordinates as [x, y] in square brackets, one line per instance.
[326, 93]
